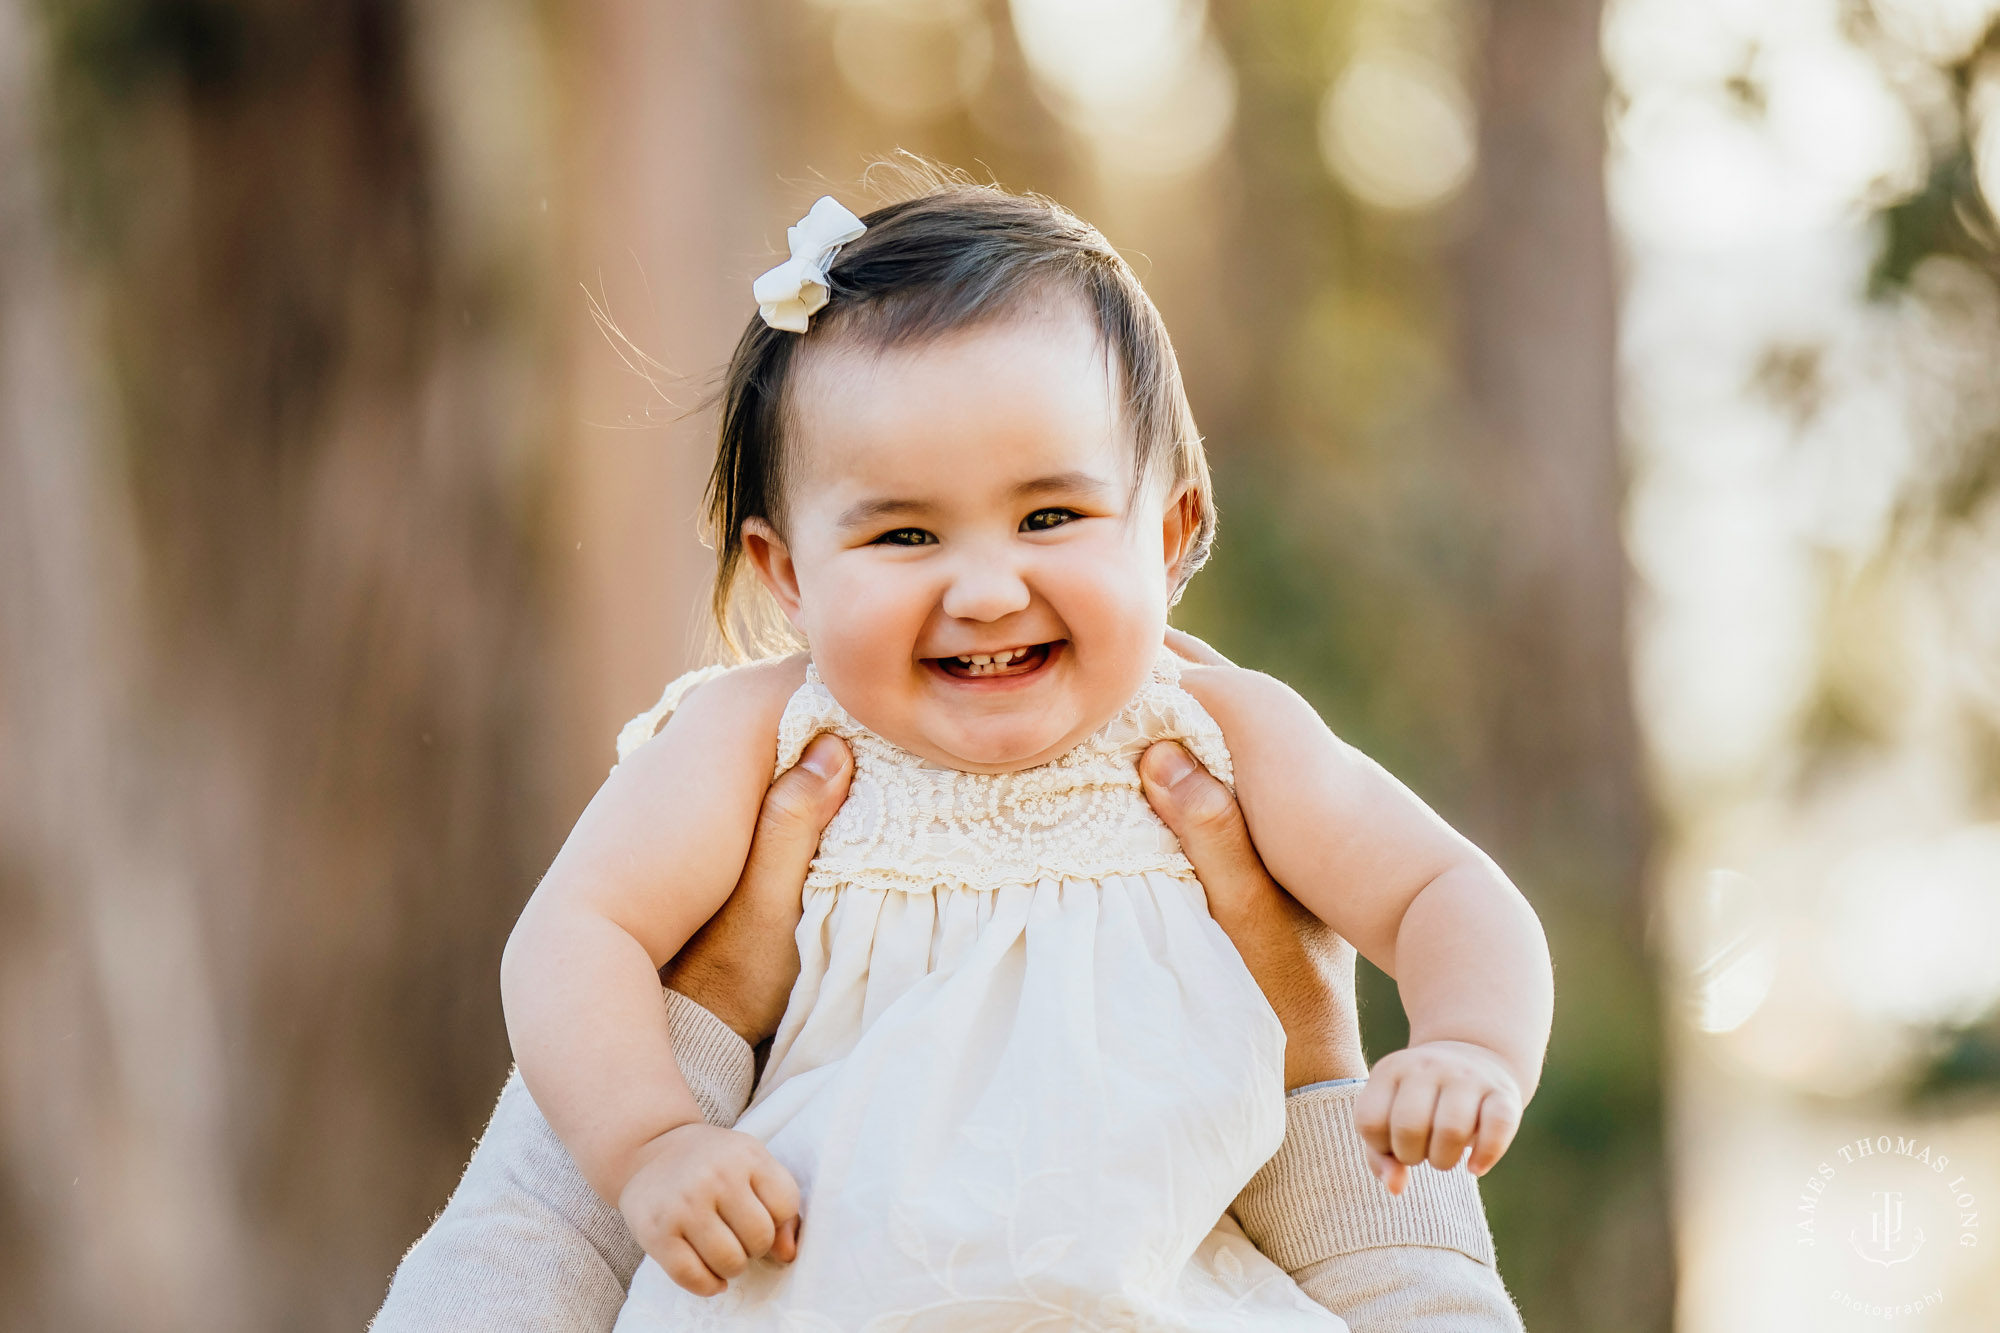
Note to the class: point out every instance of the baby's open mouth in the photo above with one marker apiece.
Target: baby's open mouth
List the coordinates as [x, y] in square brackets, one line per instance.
[1006, 662]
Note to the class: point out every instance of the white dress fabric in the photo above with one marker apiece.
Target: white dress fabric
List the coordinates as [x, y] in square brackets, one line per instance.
[1022, 1073]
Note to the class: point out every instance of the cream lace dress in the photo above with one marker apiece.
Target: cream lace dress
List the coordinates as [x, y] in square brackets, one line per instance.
[1023, 1072]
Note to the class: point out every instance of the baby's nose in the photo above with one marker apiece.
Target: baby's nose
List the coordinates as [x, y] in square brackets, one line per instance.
[985, 591]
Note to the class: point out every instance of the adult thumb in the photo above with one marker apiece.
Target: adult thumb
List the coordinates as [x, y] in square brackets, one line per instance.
[1199, 809]
[806, 795]
[1204, 815]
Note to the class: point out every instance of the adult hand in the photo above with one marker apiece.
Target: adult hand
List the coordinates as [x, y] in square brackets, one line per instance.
[741, 965]
[1305, 969]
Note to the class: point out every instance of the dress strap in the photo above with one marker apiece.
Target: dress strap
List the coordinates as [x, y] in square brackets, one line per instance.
[1166, 711]
[811, 710]
[645, 726]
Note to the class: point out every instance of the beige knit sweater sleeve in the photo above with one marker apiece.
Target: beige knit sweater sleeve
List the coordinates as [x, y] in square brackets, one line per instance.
[1419, 1262]
[525, 1245]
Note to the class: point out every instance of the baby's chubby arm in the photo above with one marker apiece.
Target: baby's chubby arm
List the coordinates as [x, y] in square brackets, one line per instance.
[1418, 900]
[654, 855]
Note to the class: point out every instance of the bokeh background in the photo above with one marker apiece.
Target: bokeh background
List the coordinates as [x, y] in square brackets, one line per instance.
[1603, 407]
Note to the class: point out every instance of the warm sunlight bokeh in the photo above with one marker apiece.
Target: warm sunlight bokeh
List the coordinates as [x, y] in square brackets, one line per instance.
[1809, 417]
[1602, 402]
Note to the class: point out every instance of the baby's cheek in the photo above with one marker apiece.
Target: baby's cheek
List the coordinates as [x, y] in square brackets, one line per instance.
[869, 617]
[1118, 621]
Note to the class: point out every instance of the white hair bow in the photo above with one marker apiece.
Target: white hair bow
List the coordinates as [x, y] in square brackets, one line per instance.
[789, 295]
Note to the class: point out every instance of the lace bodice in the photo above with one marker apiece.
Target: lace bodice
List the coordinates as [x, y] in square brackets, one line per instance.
[909, 823]
[913, 824]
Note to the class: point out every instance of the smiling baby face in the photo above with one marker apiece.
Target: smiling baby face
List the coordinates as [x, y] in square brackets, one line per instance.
[962, 547]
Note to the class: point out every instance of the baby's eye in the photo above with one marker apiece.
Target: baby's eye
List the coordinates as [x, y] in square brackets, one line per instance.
[1043, 519]
[904, 537]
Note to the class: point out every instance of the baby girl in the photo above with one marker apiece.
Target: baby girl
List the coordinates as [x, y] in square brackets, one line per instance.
[1023, 1073]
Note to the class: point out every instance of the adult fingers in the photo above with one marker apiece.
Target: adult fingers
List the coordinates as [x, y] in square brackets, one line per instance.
[685, 1267]
[740, 966]
[1204, 815]
[1453, 1125]
[1303, 968]
[1499, 1118]
[1186, 645]
[795, 811]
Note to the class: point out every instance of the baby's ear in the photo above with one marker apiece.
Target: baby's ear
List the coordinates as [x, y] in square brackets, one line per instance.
[1179, 526]
[772, 560]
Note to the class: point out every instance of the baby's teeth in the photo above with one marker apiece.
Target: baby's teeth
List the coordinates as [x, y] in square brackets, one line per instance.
[993, 661]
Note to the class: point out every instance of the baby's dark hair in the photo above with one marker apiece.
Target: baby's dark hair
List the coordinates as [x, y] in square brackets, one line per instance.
[955, 255]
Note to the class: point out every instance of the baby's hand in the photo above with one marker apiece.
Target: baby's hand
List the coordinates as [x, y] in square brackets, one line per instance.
[706, 1201]
[1430, 1103]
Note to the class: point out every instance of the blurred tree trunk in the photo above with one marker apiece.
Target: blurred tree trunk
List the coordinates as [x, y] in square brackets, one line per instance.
[665, 111]
[116, 1208]
[292, 489]
[273, 661]
[1564, 789]
[1536, 284]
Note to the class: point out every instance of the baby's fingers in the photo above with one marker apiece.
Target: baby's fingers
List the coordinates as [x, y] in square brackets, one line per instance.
[776, 1188]
[1392, 1173]
[1454, 1124]
[1499, 1118]
[778, 1195]
[1371, 1112]
[680, 1262]
[751, 1222]
[786, 1247]
[720, 1251]
[1410, 1120]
